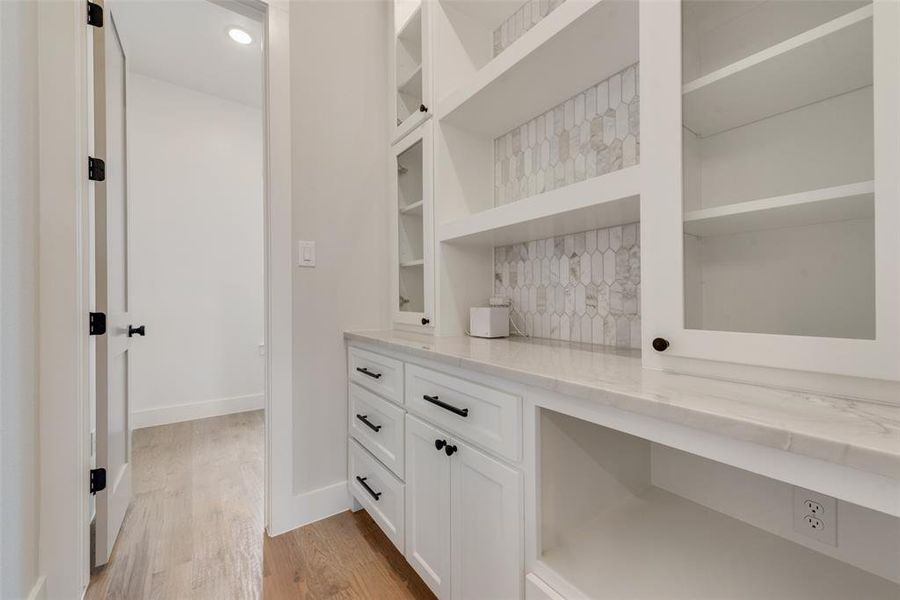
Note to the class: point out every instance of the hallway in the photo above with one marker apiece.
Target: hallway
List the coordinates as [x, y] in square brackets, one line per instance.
[195, 528]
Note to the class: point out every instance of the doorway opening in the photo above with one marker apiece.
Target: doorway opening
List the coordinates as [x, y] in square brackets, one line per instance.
[179, 376]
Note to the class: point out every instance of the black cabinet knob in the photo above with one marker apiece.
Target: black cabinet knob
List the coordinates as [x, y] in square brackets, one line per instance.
[439, 444]
[425, 320]
[660, 344]
[133, 331]
[450, 450]
[423, 108]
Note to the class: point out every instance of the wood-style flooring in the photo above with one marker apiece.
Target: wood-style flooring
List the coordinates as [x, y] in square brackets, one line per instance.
[194, 529]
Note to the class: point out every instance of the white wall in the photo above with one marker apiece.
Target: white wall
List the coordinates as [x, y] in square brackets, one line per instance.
[18, 324]
[340, 148]
[196, 187]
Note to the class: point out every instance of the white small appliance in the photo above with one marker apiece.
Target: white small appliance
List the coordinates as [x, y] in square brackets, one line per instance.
[490, 321]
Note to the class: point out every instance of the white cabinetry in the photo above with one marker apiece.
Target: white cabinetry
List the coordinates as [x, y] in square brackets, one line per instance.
[454, 510]
[410, 71]
[464, 517]
[412, 295]
[428, 508]
[769, 238]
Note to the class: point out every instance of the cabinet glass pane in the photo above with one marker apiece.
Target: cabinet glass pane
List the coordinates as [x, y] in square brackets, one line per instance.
[408, 55]
[411, 295]
[778, 167]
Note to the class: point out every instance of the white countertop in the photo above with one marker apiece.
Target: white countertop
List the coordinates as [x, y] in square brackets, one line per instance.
[856, 434]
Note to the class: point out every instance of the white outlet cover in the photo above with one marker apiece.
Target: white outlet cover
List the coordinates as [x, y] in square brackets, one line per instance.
[828, 516]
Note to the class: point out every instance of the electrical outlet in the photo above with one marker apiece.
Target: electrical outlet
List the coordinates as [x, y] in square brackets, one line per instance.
[815, 515]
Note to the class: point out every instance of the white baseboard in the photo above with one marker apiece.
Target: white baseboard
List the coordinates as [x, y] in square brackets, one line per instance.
[39, 590]
[196, 410]
[313, 506]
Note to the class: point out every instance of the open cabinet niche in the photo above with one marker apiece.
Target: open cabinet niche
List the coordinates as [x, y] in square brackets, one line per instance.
[622, 517]
[778, 147]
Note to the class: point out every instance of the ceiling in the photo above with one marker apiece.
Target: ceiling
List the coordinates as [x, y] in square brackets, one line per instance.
[186, 42]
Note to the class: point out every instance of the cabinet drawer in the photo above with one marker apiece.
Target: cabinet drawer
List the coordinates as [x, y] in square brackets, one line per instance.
[378, 373]
[378, 426]
[380, 493]
[482, 415]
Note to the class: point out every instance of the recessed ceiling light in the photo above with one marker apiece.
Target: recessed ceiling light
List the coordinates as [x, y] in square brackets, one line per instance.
[240, 36]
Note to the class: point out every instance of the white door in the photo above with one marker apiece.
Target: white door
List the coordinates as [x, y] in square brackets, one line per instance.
[111, 214]
[428, 505]
[486, 527]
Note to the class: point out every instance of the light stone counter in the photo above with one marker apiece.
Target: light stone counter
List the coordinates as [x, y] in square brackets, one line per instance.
[861, 435]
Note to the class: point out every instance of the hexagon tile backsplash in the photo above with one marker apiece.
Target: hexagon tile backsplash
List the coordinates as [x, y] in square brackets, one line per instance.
[584, 287]
[590, 134]
[521, 21]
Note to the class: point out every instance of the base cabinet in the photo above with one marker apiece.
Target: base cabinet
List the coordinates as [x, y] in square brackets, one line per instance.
[428, 506]
[463, 517]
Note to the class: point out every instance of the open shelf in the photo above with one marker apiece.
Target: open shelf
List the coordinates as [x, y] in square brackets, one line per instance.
[527, 77]
[412, 263]
[620, 516]
[659, 545]
[829, 60]
[413, 209]
[840, 203]
[605, 201]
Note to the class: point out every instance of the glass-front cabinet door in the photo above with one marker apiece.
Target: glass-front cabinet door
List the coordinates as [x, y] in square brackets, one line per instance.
[411, 219]
[411, 66]
[772, 134]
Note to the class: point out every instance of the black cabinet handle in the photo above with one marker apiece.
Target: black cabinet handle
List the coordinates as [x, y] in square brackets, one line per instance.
[369, 424]
[133, 331]
[423, 108]
[373, 493]
[439, 444]
[660, 344]
[449, 449]
[366, 371]
[463, 412]
[425, 320]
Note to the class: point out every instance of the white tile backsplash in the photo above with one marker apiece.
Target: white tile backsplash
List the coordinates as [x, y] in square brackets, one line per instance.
[583, 287]
[591, 134]
[526, 17]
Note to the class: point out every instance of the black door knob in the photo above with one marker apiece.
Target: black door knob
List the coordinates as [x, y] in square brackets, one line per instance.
[133, 331]
[425, 320]
[660, 344]
[439, 444]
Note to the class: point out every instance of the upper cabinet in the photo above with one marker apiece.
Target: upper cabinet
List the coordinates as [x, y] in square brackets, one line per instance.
[411, 66]
[412, 225]
[771, 196]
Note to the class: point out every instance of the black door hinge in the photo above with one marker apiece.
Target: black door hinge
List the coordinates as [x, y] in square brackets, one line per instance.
[98, 323]
[96, 169]
[94, 14]
[98, 480]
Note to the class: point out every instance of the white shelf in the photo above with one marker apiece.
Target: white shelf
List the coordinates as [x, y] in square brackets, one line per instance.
[659, 545]
[828, 205]
[411, 30]
[412, 263]
[413, 209]
[538, 71]
[412, 85]
[611, 199]
[821, 63]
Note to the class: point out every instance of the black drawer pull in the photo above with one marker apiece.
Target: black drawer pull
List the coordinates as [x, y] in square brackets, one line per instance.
[373, 493]
[365, 371]
[463, 412]
[369, 423]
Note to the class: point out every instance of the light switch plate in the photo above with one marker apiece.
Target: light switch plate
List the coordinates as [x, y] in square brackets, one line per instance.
[306, 254]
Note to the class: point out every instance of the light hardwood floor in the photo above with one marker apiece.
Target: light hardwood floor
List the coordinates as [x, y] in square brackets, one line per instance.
[195, 528]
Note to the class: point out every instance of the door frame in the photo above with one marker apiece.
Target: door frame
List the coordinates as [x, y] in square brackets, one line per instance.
[64, 84]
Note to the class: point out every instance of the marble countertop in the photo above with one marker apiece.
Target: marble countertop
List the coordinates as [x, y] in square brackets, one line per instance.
[856, 434]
